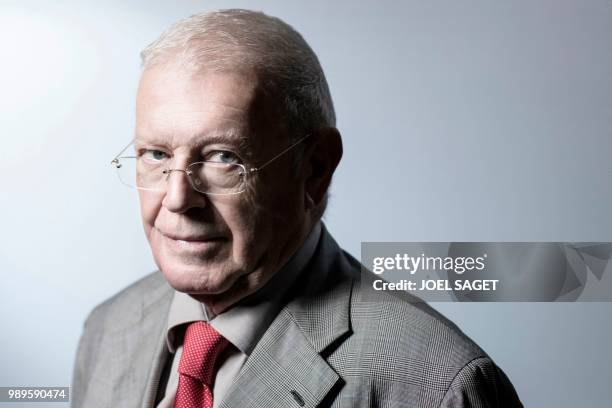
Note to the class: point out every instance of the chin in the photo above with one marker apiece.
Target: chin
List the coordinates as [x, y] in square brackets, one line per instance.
[192, 279]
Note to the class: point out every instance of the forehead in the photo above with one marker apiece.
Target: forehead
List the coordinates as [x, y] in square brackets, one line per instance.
[179, 108]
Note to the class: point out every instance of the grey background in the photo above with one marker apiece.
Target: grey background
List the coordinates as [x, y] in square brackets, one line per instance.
[462, 121]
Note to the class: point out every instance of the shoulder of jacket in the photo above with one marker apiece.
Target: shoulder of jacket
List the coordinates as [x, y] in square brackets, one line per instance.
[410, 320]
[129, 300]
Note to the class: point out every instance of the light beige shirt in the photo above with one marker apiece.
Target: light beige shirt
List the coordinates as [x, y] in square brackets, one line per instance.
[243, 324]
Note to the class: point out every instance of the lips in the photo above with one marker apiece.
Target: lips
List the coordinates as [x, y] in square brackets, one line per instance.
[193, 238]
[192, 243]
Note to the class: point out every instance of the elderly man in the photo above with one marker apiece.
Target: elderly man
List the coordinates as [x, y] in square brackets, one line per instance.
[254, 304]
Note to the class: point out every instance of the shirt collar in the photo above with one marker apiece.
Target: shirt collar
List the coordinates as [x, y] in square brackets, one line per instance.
[244, 323]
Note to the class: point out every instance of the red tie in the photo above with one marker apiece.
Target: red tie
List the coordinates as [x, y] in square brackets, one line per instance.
[201, 348]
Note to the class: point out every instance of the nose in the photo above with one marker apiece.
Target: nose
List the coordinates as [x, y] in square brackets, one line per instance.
[180, 195]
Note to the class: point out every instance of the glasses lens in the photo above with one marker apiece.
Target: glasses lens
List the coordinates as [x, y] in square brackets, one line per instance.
[217, 178]
[205, 177]
[135, 173]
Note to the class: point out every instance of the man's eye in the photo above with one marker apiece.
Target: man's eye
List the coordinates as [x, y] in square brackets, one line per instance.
[154, 155]
[223, 156]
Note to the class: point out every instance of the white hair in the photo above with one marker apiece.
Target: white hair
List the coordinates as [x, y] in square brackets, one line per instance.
[252, 42]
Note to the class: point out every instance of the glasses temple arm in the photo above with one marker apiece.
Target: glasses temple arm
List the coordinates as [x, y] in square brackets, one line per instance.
[121, 152]
[256, 169]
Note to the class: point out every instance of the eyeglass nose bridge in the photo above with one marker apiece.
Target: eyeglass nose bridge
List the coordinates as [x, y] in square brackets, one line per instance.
[168, 171]
[188, 172]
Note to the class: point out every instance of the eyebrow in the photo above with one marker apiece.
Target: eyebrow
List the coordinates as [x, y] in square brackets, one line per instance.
[229, 136]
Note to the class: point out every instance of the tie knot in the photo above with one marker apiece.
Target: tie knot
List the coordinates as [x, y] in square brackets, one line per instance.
[201, 349]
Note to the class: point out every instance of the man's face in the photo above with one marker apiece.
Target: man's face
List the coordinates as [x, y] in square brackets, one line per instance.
[216, 247]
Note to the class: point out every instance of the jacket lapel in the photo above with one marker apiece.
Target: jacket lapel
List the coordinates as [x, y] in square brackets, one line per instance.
[286, 368]
[160, 356]
[136, 360]
[284, 371]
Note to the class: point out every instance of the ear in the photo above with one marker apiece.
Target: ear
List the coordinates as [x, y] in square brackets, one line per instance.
[321, 159]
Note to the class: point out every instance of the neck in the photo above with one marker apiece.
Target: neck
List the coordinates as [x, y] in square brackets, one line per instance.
[251, 283]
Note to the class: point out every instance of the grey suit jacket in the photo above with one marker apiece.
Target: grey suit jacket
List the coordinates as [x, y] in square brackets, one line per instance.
[335, 343]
